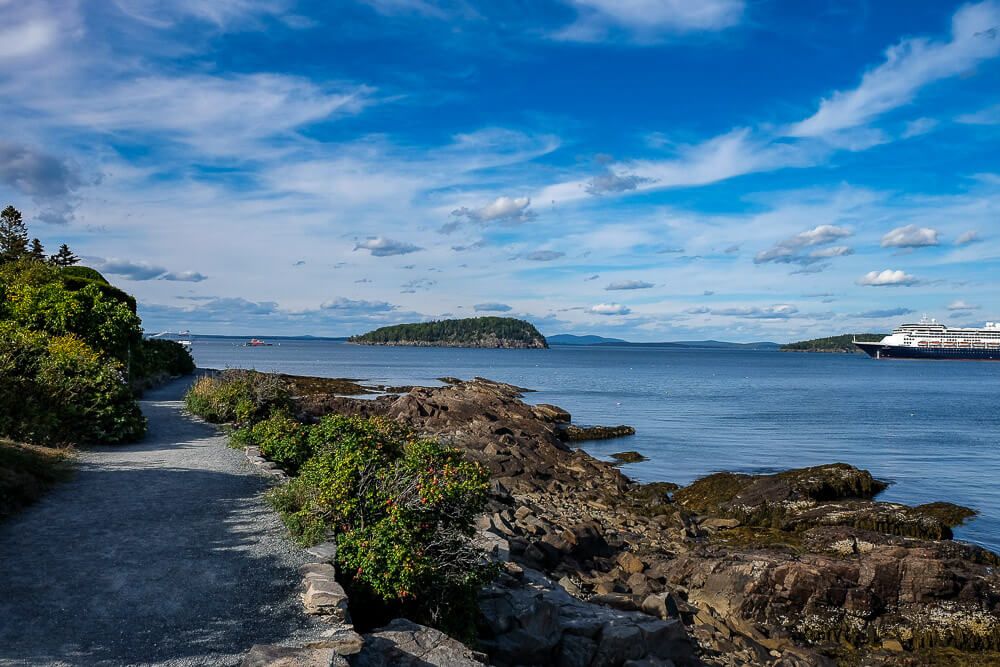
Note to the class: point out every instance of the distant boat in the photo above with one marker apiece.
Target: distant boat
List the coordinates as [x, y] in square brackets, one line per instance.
[931, 340]
[256, 342]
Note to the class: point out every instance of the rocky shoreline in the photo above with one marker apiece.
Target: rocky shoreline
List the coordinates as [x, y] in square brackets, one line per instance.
[803, 567]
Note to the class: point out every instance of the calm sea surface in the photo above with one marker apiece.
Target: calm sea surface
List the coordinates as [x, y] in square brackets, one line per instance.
[932, 428]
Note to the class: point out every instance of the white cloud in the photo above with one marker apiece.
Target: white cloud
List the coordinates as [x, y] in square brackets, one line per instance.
[26, 39]
[383, 247]
[610, 309]
[959, 304]
[888, 277]
[911, 236]
[909, 66]
[965, 238]
[502, 209]
[649, 20]
[629, 285]
[789, 251]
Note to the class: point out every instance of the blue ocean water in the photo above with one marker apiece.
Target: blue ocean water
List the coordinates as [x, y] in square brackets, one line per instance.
[932, 428]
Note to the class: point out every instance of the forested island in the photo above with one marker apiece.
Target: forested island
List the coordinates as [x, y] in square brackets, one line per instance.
[487, 332]
[838, 344]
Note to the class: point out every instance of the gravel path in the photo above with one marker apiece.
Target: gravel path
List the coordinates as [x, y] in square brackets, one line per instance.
[162, 552]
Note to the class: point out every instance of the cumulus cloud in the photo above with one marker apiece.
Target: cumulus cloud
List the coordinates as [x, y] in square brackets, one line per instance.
[965, 238]
[908, 66]
[502, 209]
[345, 305]
[611, 182]
[544, 255]
[629, 285]
[887, 278]
[609, 309]
[790, 251]
[383, 247]
[911, 236]
[962, 305]
[648, 20]
[888, 312]
[491, 308]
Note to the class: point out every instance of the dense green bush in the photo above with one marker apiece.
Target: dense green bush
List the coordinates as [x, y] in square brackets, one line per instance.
[57, 389]
[237, 396]
[34, 297]
[157, 355]
[403, 511]
[281, 438]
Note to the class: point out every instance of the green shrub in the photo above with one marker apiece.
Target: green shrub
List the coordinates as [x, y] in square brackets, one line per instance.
[57, 389]
[403, 511]
[280, 438]
[238, 396]
[155, 356]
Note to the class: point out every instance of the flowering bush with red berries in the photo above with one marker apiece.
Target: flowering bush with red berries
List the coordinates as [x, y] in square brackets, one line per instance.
[403, 510]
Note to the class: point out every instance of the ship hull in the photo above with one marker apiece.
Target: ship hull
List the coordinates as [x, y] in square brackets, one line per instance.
[880, 351]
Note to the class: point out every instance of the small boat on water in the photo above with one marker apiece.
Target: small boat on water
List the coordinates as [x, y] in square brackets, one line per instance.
[257, 342]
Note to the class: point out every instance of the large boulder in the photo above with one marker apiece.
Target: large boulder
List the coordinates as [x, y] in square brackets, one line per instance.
[404, 643]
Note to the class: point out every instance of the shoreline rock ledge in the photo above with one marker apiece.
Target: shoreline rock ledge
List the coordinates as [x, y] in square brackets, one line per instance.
[804, 567]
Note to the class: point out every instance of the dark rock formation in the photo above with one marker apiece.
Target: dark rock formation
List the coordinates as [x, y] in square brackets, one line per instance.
[629, 457]
[573, 433]
[789, 569]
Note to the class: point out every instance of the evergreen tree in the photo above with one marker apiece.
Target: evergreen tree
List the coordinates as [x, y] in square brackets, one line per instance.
[37, 252]
[13, 236]
[64, 257]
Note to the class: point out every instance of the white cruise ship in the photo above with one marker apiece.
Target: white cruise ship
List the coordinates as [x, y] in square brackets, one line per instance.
[929, 339]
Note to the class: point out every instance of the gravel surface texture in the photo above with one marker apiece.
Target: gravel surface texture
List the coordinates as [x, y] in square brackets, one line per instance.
[161, 552]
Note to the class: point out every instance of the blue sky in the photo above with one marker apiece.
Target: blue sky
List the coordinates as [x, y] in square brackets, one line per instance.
[649, 169]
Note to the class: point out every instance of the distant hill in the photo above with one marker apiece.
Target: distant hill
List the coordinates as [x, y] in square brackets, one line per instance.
[570, 339]
[705, 345]
[840, 344]
[490, 332]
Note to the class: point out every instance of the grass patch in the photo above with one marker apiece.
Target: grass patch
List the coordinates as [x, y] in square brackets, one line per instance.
[27, 472]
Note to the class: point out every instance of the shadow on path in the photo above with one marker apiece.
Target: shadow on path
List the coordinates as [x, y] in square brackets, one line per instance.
[158, 552]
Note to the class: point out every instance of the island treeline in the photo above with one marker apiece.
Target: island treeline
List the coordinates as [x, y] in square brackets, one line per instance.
[843, 343]
[491, 332]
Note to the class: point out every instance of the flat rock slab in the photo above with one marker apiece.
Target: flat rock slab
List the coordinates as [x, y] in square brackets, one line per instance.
[161, 552]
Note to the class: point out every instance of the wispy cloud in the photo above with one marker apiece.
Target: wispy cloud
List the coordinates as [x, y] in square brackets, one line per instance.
[909, 66]
[649, 20]
[629, 285]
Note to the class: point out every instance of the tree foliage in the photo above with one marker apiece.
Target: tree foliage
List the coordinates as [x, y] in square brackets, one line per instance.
[471, 331]
[13, 236]
[842, 343]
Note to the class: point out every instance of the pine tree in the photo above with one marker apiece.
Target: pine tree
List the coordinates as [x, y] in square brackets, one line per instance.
[64, 257]
[37, 252]
[13, 236]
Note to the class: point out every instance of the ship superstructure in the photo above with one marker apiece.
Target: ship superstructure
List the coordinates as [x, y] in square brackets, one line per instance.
[928, 339]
